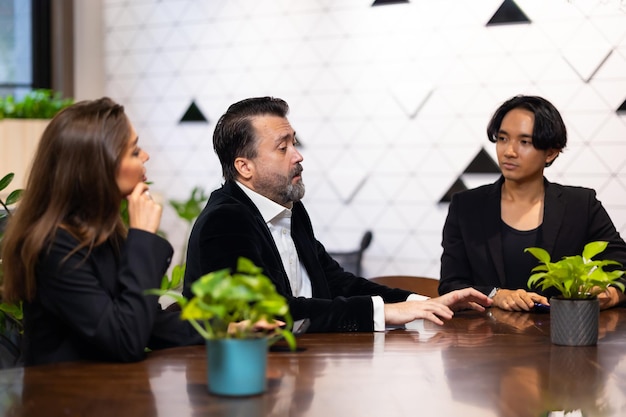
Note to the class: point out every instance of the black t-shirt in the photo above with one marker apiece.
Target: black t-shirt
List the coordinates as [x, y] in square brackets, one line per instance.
[517, 263]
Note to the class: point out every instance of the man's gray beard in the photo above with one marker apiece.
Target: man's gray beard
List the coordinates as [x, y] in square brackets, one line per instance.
[295, 192]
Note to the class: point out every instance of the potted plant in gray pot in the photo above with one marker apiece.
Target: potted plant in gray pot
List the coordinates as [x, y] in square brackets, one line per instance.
[225, 309]
[574, 314]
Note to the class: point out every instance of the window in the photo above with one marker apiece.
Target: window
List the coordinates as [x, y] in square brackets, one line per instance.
[24, 46]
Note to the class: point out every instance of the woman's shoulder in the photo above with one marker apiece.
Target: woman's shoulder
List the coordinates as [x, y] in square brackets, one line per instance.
[63, 240]
[61, 249]
[66, 246]
[141, 240]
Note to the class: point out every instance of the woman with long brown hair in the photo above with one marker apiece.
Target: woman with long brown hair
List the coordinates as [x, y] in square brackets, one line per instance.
[68, 256]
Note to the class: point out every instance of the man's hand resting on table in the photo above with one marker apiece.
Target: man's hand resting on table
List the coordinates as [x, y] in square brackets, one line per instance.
[436, 309]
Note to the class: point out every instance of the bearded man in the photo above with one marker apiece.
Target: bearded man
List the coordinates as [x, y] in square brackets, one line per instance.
[257, 214]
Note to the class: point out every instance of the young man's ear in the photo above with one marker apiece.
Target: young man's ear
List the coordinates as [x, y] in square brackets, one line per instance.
[244, 167]
[551, 156]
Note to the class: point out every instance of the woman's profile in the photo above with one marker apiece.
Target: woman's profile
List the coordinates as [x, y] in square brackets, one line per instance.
[68, 255]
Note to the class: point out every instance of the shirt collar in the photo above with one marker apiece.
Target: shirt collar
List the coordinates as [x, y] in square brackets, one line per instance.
[269, 209]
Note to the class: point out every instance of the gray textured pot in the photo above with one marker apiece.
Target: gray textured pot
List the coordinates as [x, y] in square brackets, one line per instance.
[574, 322]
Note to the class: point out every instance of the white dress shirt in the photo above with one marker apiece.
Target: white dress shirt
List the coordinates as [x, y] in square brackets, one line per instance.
[278, 220]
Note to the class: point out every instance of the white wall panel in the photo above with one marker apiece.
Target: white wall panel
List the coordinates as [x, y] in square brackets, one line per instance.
[390, 102]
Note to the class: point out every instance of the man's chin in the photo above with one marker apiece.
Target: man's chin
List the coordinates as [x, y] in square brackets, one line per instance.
[296, 192]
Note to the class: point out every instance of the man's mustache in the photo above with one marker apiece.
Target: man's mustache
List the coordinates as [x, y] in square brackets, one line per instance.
[297, 170]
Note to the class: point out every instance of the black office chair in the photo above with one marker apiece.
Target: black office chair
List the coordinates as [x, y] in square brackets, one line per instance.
[351, 261]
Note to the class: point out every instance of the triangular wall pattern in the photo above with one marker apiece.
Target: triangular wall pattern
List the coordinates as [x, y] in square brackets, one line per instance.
[193, 114]
[508, 13]
[387, 2]
[482, 164]
[458, 185]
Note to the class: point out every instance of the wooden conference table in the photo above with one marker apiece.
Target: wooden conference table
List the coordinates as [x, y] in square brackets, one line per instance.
[478, 364]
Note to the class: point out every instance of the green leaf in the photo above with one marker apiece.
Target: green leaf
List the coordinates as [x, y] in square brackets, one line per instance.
[14, 197]
[124, 212]
[178, 275]
[246, 266]
[540, 254]
[593, 248]
[13, 310]
[165, 282]
[6, 180]
[190, 209]
[181, 300]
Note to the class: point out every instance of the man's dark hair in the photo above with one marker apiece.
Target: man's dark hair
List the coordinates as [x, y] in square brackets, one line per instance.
[234, 135]
[549, 131]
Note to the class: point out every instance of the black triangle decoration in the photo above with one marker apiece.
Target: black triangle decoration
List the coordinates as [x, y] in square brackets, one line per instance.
[387, 2]
[508, 13]
[482, 164]
[458, 185]
[193, 114]
[622, 108]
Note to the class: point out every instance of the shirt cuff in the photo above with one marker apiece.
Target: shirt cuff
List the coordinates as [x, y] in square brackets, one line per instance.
[379, 313]
[379, 309]
[417, 324]
[417, 297]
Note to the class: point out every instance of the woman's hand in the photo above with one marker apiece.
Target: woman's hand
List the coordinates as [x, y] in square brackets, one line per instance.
[143, 212]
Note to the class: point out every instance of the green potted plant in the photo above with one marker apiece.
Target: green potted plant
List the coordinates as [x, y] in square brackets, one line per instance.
[188, 210]
[22, 121]
[36, 104]
[225, 309]
[11, 315]
[574, 314]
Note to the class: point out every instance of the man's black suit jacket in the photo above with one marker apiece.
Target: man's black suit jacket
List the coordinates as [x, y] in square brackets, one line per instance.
[231, 226]
[92, 306]
[472, 241]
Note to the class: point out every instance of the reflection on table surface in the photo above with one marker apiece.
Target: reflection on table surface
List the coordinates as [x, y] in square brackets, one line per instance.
[479, 364]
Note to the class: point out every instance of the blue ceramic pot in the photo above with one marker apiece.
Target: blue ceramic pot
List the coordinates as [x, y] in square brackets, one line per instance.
[236, 367]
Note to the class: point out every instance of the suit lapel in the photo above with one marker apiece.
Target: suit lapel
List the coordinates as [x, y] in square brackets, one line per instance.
[236, 192]
[493, 229]
[307, 251]
[553, 212]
